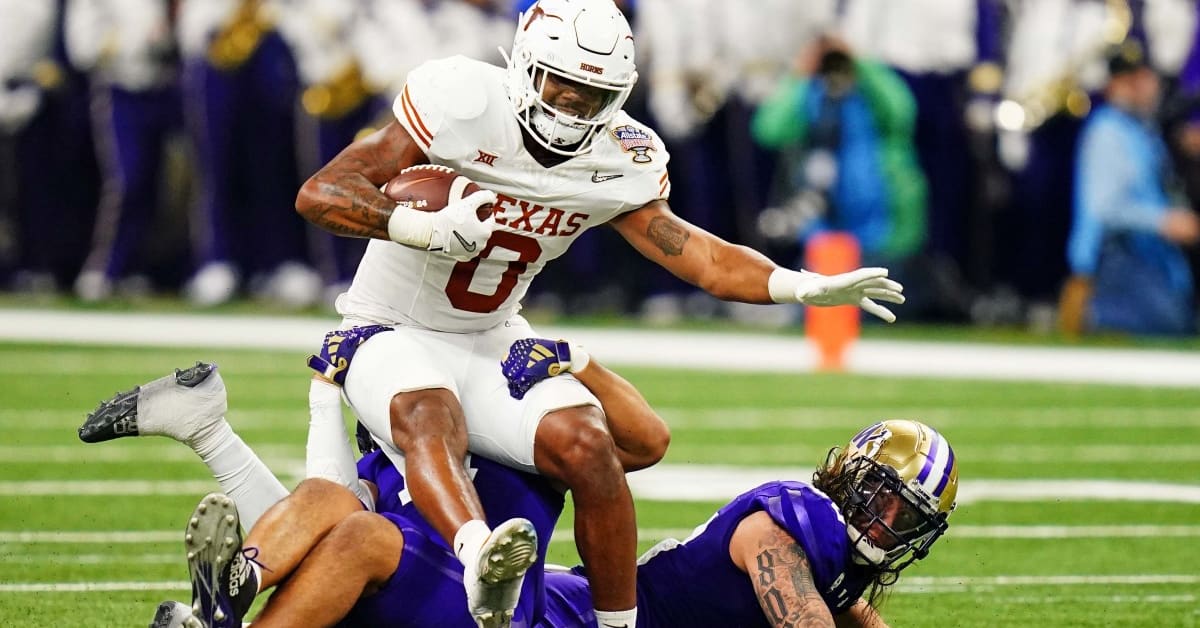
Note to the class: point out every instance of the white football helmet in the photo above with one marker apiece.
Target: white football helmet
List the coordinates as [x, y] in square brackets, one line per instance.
[570, 71]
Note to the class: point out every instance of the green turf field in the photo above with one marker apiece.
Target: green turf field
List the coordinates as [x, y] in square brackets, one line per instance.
[106, 554]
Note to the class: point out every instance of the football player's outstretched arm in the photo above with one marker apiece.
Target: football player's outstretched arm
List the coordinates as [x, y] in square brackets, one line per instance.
[344, 196]
[861, 615]
[726, 271]
[739, 273]
[780, 574]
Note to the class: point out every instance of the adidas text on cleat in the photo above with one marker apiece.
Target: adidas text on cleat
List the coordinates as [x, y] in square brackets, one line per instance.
[223, 583]
[493, 580]
[176, 405]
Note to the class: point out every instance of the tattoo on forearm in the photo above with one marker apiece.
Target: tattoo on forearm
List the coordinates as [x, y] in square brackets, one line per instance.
[351, 206]
[668, 235]
[785, 586]
[346, 202]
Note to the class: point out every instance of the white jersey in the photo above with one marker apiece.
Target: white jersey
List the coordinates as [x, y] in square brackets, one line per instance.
[457, 111]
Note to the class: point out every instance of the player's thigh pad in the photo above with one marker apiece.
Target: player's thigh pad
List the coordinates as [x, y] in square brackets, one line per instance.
[399, 361]
[503, 428]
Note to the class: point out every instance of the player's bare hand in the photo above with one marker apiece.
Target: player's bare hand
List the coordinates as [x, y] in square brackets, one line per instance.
[457, 230]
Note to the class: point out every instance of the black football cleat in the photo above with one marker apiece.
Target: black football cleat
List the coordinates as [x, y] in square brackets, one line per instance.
[223, 583]
[118, 416]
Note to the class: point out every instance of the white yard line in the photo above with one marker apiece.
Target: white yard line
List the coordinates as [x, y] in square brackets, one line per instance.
[707, 483]
[99, 538]
[126, 537]
[645, 534]
[90, 587]
[913, 585]
[974, 582]
[695, 483]
[634, 346]
[93, 559]
[106, 487]
[279, 455]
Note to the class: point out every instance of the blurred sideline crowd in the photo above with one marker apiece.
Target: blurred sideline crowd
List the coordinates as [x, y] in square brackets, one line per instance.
[1030, 162]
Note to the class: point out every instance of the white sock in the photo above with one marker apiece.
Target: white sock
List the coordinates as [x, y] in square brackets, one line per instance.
[469, 539]
[242, 476]
[329, 456]
[166, 409]
[617, 619]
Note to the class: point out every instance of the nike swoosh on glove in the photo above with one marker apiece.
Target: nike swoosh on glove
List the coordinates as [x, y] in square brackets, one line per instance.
[457, 230]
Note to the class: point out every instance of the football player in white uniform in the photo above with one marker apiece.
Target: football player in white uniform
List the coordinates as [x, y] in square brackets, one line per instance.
[547, 139]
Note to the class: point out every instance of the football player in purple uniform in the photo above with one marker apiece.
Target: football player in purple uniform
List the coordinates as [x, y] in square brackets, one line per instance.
[783, 554]
[786, 553]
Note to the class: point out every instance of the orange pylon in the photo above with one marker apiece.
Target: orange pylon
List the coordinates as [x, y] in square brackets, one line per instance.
[832, 329]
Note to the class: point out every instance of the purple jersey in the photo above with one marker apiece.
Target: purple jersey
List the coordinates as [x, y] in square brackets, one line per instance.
[426, 589]
[695, 583]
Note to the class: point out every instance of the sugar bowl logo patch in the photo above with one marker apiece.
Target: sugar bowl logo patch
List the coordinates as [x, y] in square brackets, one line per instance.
[636, 141]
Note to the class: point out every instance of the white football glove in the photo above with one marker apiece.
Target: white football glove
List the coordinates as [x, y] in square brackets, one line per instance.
[858, 287]
[458, 232]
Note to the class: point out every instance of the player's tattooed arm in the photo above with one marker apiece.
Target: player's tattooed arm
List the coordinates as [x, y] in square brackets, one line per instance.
[668, 234]
[724, 270]
[344, 198]
[780, 573]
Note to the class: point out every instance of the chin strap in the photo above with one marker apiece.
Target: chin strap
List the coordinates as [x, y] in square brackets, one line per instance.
[865, 553]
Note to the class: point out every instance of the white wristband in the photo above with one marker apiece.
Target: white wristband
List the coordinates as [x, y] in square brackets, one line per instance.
[411, 227]
[579, 358]
[782, 285]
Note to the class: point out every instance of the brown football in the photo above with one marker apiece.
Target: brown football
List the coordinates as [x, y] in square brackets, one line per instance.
[430, 188]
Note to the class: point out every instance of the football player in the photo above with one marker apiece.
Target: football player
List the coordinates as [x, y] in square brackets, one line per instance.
[785, 553]
[547, 139]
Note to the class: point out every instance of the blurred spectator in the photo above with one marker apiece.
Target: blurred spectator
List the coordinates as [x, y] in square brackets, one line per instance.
[47, 169]
[1056, 63]
[337, 103]
[127, 47]
[1129, 271]
[845, 126]
[240, 90]
[705, 65]
[935, 44]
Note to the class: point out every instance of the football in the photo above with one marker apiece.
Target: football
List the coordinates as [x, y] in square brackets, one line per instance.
[430, 188]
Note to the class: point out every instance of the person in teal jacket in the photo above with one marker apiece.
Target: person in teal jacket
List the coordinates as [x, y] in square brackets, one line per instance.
[845, 128]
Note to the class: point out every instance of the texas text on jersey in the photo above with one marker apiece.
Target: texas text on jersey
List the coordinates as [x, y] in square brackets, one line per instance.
[457, 111]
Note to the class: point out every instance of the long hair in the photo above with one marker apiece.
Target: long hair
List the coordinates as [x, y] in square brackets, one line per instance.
[840, 485]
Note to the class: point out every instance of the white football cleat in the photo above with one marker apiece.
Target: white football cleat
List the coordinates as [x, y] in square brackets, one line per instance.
[172, 614]
[493, 580]
[181, 406]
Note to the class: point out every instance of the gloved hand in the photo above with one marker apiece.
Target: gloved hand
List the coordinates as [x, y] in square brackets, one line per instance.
[338, 350]
[532, 360]
[457, 230]
[858, 287]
